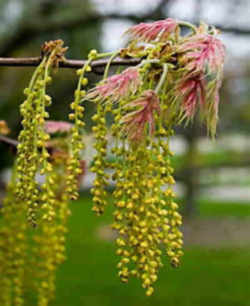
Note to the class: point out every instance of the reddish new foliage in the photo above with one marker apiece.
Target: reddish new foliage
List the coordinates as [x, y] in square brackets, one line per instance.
[52, 127]
[199, 87]
[136, 121]
[117, 86]
[203, 49]
[193, 94]
[151, 31]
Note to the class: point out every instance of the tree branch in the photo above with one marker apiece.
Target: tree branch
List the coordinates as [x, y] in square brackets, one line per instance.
[67, 63]
[9, 141]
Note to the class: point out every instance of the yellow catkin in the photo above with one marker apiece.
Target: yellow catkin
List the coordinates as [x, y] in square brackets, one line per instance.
[13, 245]
[76, 143]
[32, 154]
[99, 191]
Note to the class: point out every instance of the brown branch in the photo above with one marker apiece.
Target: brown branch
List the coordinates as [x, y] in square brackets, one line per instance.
[9, 141]
[67, 63]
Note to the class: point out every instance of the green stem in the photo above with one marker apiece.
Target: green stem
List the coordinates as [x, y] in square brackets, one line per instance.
[106, 71]
[188, 25]
[101, 55]
[43, 93]
[35, 74]
[79, 85]
[162, 79]
[148, 61]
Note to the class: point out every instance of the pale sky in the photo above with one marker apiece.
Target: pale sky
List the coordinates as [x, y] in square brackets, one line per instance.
[212, 11]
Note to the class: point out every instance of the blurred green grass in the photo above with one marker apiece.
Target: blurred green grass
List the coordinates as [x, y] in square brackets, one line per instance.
[207, 276]
[216, 159]
[223, 209]
[219, 158]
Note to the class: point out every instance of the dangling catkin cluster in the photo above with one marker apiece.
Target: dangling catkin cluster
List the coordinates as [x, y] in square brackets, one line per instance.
[146, 215]
[74, 165]
[13, 245]
[49, 250]
[146, 102]
[29, 256]
[178, 76]
[32, 155]
[99, 191]
[44, 201]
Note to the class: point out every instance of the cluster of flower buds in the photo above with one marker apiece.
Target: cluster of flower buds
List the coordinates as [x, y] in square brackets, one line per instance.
[13, 245]
[32, 152]
[145, 216]
[49, 244]
[74, 164]
[43, 202]
[179, 75]
[33, 156]
[37, 262]
[99, 191]
[49, 240]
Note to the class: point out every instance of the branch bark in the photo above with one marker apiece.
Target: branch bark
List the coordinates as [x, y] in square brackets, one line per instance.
[9, 141]
[67, 63]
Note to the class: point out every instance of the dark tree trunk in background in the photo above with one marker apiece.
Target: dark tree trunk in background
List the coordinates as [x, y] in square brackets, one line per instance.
[191, 178]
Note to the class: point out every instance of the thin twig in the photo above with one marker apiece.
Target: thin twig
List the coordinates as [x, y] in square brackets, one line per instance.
[9, 141]
[67, 63]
